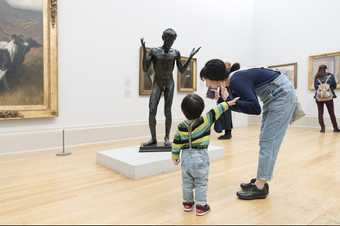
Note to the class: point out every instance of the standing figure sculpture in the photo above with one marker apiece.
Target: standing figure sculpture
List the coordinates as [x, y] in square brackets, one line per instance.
[163, 60]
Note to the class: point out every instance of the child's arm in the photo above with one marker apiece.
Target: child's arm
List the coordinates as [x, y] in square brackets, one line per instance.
[176, 148]
[213, 115]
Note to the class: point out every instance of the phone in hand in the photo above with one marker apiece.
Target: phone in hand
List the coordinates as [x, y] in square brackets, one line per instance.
[211, 94]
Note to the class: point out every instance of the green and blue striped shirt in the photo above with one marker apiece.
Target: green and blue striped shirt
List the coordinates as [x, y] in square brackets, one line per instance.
[200, 131]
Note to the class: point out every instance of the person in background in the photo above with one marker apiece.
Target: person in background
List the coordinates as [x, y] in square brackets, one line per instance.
[325, 84]
[226, 121]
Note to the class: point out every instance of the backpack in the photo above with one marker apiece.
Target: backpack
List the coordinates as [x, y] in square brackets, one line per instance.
[324, 92]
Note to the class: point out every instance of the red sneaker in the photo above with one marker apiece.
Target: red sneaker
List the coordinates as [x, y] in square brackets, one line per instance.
[202, 210]
[188, 206]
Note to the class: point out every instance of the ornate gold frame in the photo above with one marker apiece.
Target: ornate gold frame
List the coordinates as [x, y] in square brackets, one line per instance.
[194, 82]
[310, 67]
[50, 47]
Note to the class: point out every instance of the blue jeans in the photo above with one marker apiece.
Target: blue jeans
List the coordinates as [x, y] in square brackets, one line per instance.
[195, 172]
[279, 104]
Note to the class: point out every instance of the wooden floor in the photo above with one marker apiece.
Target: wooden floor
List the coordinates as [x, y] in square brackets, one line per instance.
[39, 188]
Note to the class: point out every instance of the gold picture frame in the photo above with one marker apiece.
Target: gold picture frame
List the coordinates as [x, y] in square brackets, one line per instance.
[145, 79]
[48, 64]
[187, 81]
[332, 60]
[291, 70]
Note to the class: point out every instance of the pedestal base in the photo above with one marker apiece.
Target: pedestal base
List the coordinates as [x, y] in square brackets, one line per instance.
[160, 147]
[135, 165]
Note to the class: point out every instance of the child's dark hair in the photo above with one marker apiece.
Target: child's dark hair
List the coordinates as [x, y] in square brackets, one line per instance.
[192, 106]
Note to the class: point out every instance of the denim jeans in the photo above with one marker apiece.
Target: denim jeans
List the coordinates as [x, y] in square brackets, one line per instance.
[279, 104]
[195, 172]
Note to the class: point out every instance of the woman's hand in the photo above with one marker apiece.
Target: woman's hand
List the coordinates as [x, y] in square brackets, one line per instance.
[224, 93]
[233, 102]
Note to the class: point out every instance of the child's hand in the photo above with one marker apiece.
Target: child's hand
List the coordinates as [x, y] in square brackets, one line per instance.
[233, 102]
[176, 162]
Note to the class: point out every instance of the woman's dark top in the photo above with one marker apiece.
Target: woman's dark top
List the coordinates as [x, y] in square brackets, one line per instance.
[244, 83]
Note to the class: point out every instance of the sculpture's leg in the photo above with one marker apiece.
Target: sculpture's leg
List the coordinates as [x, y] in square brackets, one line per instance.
[168, 96]
[153, 105]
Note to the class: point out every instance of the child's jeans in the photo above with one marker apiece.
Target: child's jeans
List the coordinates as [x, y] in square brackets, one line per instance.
[195, 172]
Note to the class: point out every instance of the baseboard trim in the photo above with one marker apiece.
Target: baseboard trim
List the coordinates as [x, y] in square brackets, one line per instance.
[51, 139]
[45, 140]
[306, 122]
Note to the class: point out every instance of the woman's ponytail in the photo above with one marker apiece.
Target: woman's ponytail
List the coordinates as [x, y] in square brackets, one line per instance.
[235, 67]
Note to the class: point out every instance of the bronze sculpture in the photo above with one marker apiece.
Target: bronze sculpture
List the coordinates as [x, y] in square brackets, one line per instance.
[163, 60]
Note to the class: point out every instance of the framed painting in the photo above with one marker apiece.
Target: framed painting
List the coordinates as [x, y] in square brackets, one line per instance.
[145, 79]
[187, 81]
[28, 59]
[332, 60]
[291, 70]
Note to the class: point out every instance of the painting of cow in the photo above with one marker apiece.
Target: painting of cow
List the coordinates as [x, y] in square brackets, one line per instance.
[12, 56]
[21, 53]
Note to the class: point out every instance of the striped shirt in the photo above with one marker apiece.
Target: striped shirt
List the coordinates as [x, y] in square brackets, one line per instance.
[200, 131]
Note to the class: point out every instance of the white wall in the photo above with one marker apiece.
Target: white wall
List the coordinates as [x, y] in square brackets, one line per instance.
[288, 31]
[99, 54]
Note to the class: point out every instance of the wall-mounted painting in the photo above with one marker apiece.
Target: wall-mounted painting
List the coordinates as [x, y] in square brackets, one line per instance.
[28, 59]
[145, 79]
[332, 60]
[187, 81]
[291, 70]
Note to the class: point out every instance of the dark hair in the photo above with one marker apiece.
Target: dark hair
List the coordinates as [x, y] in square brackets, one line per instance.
[322, 71]
[192, 106]
[235, 67]
[169, 32]
[214, 70]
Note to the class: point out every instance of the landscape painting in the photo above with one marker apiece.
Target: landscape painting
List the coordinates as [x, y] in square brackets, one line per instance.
[187, 81]
[28, 63]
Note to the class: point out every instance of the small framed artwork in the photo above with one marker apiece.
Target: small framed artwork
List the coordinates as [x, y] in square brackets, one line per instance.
[145, 79]
[28, 59]
[291, 70]
[187, 81]
[332, 60]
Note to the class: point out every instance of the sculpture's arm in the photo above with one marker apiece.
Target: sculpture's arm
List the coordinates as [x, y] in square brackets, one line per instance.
[147, 58]
[182, 67]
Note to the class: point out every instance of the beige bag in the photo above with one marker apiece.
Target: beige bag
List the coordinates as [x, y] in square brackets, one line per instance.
[324, 92]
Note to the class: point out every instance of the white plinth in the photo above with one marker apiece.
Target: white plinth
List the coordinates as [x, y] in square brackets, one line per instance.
[132, 164]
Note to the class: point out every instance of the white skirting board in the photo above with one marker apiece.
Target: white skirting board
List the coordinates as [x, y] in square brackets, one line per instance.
[134, 165]
[51, 139]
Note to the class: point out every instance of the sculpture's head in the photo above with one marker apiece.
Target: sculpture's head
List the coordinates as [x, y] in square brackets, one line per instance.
[169, 37]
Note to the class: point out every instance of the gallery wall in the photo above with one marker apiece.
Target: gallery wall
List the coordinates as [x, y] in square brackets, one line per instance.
[290, 31]
[99, 57]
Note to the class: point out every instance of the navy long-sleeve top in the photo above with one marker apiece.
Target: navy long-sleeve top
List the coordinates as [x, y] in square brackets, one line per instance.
[243, 84]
